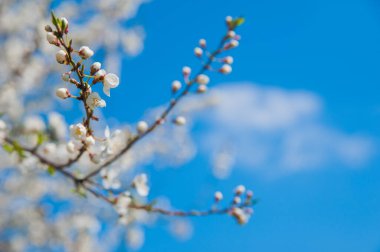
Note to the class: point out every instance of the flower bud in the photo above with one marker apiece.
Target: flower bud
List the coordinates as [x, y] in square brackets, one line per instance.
[202, 43]
[70, 147]
[180, 120]
[231, 34]
[239, 190]
[201, 89]
[62, 93]
[202, 79]
[228, 20]
[48, 28]
[61, 57]
[66, 76]
[186, 71]
[218, 196]
[85, 52]
[225, 69]
[142, 127]
[228, 60]
[198, 51]
[237, 200]
[89, 140]
[99, 76]
[233, 43]
[249, 194]
[95, 67]
[65, 25]
[176, 85]
[52, 39]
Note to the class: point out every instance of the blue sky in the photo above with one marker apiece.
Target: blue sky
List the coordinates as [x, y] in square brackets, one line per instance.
[329, 49]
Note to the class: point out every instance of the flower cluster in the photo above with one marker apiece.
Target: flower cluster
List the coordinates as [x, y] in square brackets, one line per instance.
[94, 157]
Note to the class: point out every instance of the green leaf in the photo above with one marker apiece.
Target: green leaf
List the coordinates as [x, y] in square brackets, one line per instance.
[80, 191]
[239, 21]
[19, 150]
[8, 148]
[40, 138]
[51, 170]
[53, 19]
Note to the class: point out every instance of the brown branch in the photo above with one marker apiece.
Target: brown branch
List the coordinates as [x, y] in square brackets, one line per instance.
[165, 113]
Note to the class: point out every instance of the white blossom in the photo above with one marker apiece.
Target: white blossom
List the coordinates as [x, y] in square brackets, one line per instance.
[186, 71]
[240, 189]
[225, 69]
[66, 76]
[94, 100]
[176, 85]
[202, 79]
[142, 126]
[51, 38]
[71, 147]
[241, 216]
[110, 179]
[61, 57]
[180, 120]
[110, 81]
[122, 203]
[198, 51]
[62, 93]
[228, 60]
[218, 196]
[85, 52]
[201, 89]
[78, 131]
[231, 34]
[90, 140]
[140, 184]
[202, 43]
[95, 67]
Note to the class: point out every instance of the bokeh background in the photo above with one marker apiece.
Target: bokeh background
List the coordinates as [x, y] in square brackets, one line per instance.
[297, 121]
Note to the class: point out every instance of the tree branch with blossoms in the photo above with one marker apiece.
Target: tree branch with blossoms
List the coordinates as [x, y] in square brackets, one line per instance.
[83, 138]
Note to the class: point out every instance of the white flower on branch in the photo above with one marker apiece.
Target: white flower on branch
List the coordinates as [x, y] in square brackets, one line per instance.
[63, 93]
[202, 43]
[140, 184]
[225, 69]
[110, 179]
[3, 128]
[198, 51]
[202, 79]
[239, 190]
[186, 71]
[94, 100]
[228, 60]
[52, 39]
[90, 140]
[61, 57]
[201, 89]
[180, 120]
[218, 196]
[110, 81]
[66, 76]
[241, 215]
[232, 44]
[122, 203]
[142, 127]
[176, 85]
[78, 131]
[95, 67]
[85, 52]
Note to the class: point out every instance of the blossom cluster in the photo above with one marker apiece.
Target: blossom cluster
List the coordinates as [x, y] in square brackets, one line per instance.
[93, 157]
